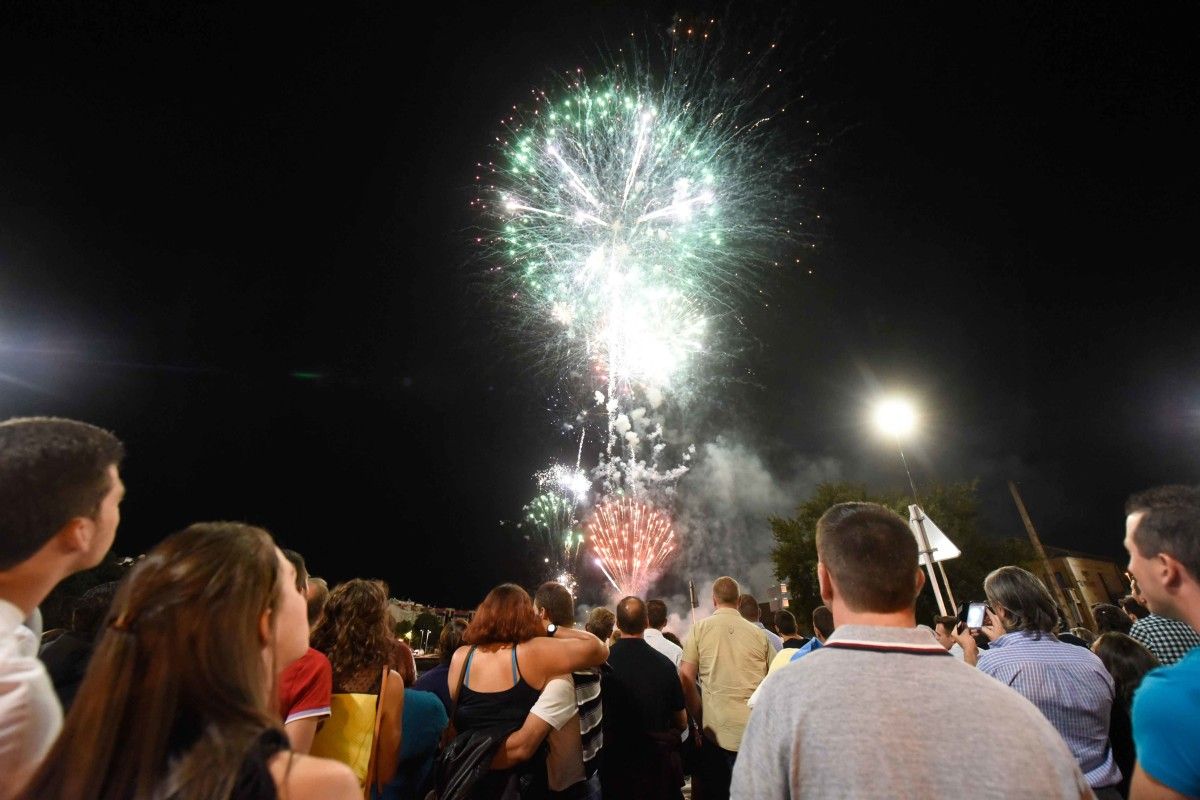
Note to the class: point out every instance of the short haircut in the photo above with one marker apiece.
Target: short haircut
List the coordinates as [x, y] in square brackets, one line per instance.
[318, 598]
[748, 607]
[301, 570]
[600, 623]
[726, 590]
[1132, 606]
[1170, 524]
[1026, 601]
[92, 608]
[631, 615]
[670, 637]
[785, 623]
[822, 621]
[557, 602]
[1110, 618]
[656, 613]
[871, 554]
[949, 623]
[51, 471]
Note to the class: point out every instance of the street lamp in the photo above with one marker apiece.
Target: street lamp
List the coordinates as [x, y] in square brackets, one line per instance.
[896, 417]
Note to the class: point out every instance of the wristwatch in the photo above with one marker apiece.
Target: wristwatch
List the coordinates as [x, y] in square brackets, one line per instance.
[551, 629]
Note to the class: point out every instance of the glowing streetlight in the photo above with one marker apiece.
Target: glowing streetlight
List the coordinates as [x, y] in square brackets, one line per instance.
[897, 418]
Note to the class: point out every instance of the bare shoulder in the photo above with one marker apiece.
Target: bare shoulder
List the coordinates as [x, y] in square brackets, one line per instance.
[300, 777]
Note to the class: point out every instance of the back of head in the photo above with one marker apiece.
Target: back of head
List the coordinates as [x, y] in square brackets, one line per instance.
[822, 620]
[748, 607]
[1130, 605]
[297, 561]
[555, 599]
[871, 555]
[91, 610]
[178, 680]
[785, 623]
[318, 595]
[1127, 660]
[600, 623]
[726, 590]
[631, 616]
[656, 613]
[505, 616]
[1026, 601]
[450, 638]
[51, 471]
[1170, 524]
[1083, 634]
[355, 631]
[1110, 618]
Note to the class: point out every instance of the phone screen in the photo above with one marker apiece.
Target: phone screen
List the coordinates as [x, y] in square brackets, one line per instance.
[975, 615]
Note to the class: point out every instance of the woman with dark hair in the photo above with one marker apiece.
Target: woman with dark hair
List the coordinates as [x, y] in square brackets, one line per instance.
[178, 700]
[1128, 661]
[425, 719]
[434, 680]
[355, 634]
[1110, 618]
[508, 657]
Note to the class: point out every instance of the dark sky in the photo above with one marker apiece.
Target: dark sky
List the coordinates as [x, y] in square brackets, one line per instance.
[242, 243]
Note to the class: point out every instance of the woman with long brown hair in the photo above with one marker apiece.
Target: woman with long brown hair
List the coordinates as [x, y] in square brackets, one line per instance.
[508, 657]
[355, 634]
[178, 699]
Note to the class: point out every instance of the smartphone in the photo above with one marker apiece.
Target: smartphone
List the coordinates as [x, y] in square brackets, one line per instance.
[975, 615]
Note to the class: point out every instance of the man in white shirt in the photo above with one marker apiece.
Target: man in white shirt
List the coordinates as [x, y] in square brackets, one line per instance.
[943, 630]
[656, 611]
[60, 492]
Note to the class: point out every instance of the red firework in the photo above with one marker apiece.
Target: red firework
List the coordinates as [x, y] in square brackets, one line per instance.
[632, 541]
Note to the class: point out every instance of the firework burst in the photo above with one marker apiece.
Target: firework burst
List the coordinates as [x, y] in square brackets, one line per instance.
[632, 540]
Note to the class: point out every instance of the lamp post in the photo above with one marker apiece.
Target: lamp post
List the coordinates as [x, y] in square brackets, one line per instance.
[897, 418]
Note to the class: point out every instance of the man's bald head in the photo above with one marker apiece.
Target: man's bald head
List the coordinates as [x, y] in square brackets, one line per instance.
[631, 616]
[726, 591]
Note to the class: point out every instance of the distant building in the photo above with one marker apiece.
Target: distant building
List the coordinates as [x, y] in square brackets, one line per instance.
[1086, 580]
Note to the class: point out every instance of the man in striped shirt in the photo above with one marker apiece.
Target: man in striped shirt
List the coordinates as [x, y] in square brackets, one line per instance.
[1068, 684]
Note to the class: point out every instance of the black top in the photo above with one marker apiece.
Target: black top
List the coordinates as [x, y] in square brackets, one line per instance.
[491, 709]
[503, 710]
[254, 781]
[66, 660]
[795, 641]
[641, 747]
[645, 694]
[1120, 734]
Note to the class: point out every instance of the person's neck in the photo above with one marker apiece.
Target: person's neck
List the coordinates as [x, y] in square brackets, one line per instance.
[27, 587]
[730, 606]
[640, 635]
[892, 619]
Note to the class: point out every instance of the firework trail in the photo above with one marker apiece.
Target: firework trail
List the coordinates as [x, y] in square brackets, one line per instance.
[632, 541]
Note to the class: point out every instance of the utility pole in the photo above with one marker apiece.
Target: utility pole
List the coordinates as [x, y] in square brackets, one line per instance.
[1041, 552]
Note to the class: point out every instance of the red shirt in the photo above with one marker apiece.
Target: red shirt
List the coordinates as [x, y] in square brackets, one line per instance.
[305, 687]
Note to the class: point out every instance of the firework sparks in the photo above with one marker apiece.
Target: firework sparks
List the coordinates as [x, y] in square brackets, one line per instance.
[630, 211]
[632, 541]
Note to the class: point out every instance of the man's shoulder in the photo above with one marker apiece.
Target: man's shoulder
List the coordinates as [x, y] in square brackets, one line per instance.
[1166, 688]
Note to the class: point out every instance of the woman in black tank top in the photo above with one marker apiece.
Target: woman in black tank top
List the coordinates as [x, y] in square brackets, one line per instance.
[506, 632]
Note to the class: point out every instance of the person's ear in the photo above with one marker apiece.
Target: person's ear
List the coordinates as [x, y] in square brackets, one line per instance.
[825, 582]
[76, 535]
[920, 582]
[1171, 571]
[264, 627]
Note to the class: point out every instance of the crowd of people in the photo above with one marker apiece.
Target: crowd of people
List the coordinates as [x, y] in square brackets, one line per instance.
[219, 668]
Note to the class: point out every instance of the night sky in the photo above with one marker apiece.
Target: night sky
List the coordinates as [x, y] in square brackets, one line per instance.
[243, 243]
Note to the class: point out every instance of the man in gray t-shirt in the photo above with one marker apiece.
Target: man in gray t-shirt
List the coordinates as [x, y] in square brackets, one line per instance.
[878, 708]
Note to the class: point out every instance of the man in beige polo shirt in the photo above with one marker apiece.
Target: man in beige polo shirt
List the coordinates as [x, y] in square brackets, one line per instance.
[728, 657]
